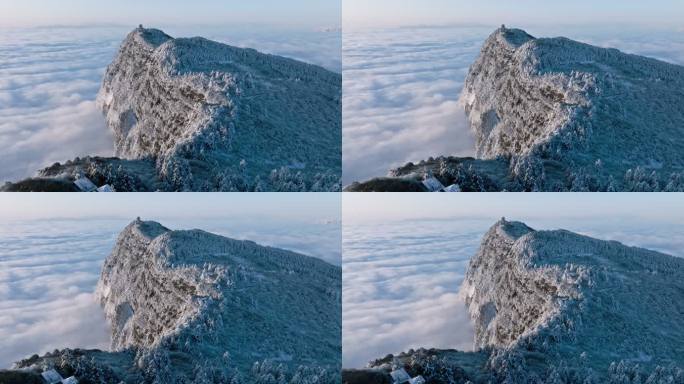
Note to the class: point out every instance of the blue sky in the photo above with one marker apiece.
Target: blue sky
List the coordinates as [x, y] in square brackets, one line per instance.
[291, 13]
[593, 207]
[308, 207]
[380, 13]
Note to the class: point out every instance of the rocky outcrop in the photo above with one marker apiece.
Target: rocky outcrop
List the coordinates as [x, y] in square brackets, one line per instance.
[509, 294]
[518, 98]
[198, 115]
[565, 115]
[558, 307]
[191, 306]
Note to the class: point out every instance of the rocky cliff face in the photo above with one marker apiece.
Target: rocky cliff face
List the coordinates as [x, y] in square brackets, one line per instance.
[194, 100]
[558, 307]
[565, 115]
[190, 114]
[514, 105]
[505, 299]
[562, 299]
[208, 295]
[559, 99]
[193, 307]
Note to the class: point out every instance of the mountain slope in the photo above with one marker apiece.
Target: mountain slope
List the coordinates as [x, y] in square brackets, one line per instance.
[575, 299]
[561, 99]
[195, 99]
[207, 295]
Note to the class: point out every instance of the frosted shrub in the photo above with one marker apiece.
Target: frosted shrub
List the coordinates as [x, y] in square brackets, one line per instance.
[638, 180]
[177, 174]
[675, 184]
[528, 171]
[284, 180]
[436, 370]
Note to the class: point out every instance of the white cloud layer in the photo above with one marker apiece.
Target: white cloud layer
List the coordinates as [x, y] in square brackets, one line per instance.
[401, 88]
[49, 270]
[49, 78]
[400, 279]
[400, 285]
[48, 82]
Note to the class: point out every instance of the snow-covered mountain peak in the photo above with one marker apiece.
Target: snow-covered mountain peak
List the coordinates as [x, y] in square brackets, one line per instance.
[510, 38]
[189, 306]
[204, 295]
[575, 299]
[191, 114]
[556, 307]
[511, 230]
[214, 116]
[149, 37]
[147, 229]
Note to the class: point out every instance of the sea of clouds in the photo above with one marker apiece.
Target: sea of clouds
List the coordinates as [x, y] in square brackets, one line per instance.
[49, 77]
[401, 279]
[49, 270]
[401, 88]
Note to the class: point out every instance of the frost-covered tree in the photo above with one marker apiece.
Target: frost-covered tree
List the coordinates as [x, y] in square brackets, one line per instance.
[639, 180]
[284, 180]
[529, 172]
[177, 174]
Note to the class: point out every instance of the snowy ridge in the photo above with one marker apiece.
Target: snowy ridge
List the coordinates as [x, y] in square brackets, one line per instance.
[511, 107]
[572, 301]
[207, 295]
[493, 277]
[558, 99]
[180, 100]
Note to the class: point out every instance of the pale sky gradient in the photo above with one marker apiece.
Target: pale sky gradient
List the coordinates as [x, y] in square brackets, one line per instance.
[390, 13]
[307, 207]
[276, 13]
[370, 207]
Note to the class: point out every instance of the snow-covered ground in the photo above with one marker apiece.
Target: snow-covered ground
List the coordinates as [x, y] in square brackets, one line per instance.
[49, 270]
[401, 87]
[401, 277]
[49, 78]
